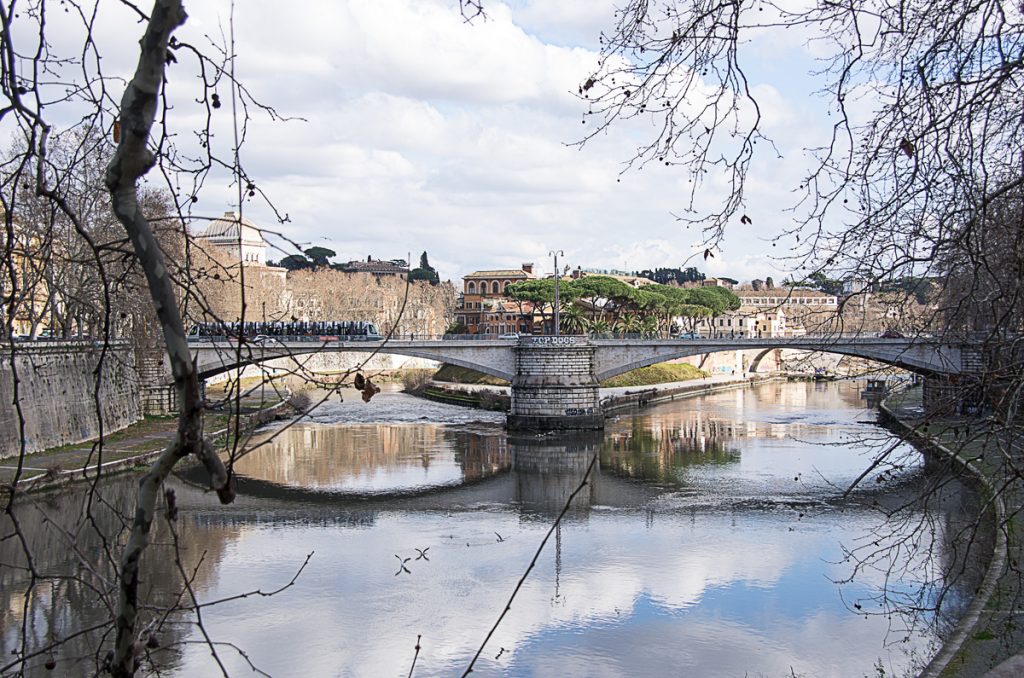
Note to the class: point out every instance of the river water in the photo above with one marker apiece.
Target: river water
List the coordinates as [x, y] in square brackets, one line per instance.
[710, 540]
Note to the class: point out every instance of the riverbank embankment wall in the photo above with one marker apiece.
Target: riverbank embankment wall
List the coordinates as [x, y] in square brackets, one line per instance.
[65, 391]
[961, 653]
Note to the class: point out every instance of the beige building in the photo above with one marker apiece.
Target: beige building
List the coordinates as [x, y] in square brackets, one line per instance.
[788, 297]
[748, 322]
[232, 249]
[484, 308]
[30, 294]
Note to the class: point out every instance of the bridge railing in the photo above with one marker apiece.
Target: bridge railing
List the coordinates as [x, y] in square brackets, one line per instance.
[269, 339]
[262, 340]
[266, 340]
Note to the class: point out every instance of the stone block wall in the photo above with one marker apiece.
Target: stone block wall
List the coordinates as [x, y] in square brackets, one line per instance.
[555, 387]
[157, 395]
[56, 384]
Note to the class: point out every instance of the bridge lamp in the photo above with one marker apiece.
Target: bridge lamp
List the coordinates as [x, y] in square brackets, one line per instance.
[556, 254]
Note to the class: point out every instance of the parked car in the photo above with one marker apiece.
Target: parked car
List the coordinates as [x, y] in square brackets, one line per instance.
[892, 334]
[513, 335]
[687, 335]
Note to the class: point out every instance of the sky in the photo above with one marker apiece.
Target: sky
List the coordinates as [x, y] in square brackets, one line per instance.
[408, 129]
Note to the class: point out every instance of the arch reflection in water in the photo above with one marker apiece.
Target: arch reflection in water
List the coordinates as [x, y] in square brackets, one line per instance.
[374, 459]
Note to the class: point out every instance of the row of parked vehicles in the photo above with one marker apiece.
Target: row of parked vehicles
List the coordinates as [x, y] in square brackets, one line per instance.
[261, 332]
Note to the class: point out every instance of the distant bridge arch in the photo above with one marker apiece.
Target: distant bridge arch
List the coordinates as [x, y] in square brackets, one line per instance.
[490, 357]
[924, 357]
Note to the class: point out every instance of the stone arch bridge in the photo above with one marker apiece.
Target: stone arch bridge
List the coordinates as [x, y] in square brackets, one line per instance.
[555, 380]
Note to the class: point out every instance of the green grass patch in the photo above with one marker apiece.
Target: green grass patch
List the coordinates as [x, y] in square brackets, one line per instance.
[464, 375]
[656, 374]
[644, 376]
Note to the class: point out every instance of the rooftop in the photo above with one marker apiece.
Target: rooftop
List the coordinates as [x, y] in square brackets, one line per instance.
[782, 293]
[227, 227]
[503, 273]
[373, 266]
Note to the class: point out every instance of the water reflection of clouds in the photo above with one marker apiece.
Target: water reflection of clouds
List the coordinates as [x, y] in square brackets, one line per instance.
[731, 588]
[621, 592]
[786, 449]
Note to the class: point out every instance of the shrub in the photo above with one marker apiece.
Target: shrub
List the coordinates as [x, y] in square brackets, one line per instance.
[414, 381]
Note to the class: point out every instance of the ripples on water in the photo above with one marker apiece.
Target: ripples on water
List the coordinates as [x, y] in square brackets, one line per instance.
[706, 544]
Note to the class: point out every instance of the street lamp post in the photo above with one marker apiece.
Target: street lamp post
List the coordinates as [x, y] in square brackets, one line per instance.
[555, 254]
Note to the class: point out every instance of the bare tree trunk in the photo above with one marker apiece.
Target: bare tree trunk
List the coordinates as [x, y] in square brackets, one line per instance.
[131, 161]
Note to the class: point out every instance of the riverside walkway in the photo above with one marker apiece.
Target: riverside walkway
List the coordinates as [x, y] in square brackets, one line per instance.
[135, 445]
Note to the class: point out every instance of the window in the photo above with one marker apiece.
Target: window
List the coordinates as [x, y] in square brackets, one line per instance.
[494, 287]
[471, 287]
[504, 289]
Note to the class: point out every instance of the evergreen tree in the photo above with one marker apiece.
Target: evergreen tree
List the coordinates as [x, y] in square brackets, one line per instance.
[424, 271]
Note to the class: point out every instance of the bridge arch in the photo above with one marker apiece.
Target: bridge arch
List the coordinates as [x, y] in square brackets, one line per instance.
[928, 360]
[756, 362]
[491, 359]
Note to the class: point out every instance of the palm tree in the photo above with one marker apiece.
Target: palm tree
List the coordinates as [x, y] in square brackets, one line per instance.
[599, 326]
[649, 326]
[628, 323]
[573, 319]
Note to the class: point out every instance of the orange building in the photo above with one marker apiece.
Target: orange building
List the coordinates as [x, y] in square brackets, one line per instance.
[484, 307]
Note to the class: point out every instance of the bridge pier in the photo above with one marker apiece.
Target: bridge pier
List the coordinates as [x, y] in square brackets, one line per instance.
[555, 388]
[959, 393]
[157, 393]
[945, 396]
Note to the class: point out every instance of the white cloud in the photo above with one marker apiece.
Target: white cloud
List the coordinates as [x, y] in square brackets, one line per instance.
[423, 132]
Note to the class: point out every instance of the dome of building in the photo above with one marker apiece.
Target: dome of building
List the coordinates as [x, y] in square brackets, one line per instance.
[224, 232]
[226, 228]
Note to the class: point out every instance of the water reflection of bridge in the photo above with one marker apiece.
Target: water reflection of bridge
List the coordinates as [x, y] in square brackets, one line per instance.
[535, 474]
